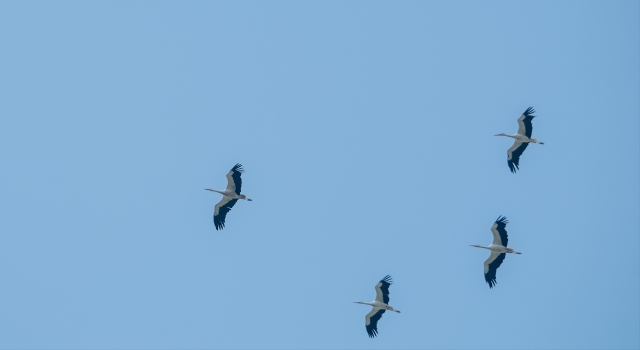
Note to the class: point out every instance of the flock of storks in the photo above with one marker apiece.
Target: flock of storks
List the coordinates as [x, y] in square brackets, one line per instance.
[498, 247]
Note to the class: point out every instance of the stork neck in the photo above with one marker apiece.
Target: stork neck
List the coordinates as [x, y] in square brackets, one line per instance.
[365, 303]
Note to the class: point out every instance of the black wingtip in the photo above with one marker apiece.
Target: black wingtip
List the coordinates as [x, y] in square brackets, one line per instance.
[371, 331]
[219, 224]
[502, 220]
[529, 112]
[238, 168]
[491, 281]
[387, 279]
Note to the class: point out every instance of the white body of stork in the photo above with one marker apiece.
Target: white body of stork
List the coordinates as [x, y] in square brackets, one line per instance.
[380, 305]
[522, 139]
[230, 196]
[498, 250]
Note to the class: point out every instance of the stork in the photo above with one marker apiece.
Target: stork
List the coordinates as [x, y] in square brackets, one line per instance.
[498, 250]
[380, 305]
[230, 196]
[522, 139]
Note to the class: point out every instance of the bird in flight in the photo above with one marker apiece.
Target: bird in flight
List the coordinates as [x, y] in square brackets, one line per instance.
[522, 139]
[230, 196]
[380, 305]
[498, 250]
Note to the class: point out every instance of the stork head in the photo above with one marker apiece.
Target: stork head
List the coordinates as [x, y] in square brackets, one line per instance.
[501, 134]
[475, 245]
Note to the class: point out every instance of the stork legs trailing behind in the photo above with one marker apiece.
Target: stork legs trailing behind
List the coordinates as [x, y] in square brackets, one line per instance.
[522, 139]
[498, 250]
[230, 196]
[380, 305]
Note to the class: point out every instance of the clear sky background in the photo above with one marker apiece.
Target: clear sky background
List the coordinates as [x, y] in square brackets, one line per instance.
[366, 130]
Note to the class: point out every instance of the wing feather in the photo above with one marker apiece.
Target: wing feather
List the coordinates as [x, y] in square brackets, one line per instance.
[371, 321]
[499, 231]
[490, 267]
[234, 181]
[221, 210]
[514, 153]
[382, 289]
[524, 122]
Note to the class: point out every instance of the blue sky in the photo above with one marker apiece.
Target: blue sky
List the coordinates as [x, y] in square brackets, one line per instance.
[366, 130]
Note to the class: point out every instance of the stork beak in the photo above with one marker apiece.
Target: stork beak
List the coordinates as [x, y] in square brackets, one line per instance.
[208, 189]
[496, 135]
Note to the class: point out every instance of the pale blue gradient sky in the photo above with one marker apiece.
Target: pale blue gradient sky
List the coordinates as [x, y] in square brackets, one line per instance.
[366, 132]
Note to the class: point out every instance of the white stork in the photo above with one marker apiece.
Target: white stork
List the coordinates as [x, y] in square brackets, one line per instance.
[380, 305]
[230, 196]
[522, 139]
[498, 250]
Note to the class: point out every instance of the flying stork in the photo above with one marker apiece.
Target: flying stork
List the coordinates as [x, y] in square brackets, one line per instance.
[498, 250]
[230, 196]
[380, 305]
[522, 139]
